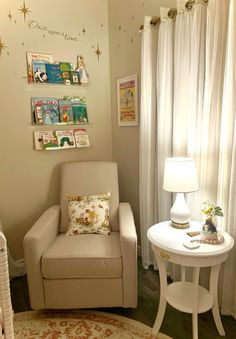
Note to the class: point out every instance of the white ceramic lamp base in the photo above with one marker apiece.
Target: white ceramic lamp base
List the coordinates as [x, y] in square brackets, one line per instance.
[180, 212]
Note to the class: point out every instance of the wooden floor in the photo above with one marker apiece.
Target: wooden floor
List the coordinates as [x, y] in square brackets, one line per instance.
[176, 324]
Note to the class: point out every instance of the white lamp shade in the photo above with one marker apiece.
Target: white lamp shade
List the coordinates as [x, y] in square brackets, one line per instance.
[180, 175]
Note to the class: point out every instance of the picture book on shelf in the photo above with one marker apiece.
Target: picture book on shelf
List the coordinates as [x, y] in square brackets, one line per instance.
[50, 141]
[45, 110]
[39, 71]
[66, 113]
[53, 73]
[37, 113]
[65, 139]
[79, 109]
[74, 78]
[66, 77]
[34, 56]
[38, 140]
[66, 66]
[81, 138]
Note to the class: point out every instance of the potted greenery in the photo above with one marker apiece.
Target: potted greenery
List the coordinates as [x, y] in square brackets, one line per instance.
[210, 210]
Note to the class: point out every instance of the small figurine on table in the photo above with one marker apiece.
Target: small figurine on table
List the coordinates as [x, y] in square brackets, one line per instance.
[81, 69]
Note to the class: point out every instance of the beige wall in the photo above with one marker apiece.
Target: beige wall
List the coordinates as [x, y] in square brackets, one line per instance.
[125, 18]
[29, 178]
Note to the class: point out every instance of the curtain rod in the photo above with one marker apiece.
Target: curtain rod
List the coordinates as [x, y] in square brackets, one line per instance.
[171, 13]
[156, 19]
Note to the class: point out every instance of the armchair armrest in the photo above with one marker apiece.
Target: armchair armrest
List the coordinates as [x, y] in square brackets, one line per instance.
[128, 239]
[36, 240]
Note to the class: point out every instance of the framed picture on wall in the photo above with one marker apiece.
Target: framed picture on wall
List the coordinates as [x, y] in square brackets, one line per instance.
[127, 99]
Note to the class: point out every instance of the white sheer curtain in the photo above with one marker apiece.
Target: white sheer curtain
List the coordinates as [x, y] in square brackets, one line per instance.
[227, 164]
[147, 136]
[164, 82]
[196, 110]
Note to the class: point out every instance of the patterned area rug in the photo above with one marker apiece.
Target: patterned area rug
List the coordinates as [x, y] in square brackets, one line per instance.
[79, 324]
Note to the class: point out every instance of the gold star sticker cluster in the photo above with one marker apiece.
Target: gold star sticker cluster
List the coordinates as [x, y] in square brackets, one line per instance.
[24, 10]
[98, 52]
[2, 46]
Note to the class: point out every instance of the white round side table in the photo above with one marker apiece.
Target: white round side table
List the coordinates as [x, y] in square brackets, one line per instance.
[190, 297]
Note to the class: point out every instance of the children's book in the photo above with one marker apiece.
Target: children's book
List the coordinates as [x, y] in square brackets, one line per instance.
[74, 78]
[53, 73]
[66, 114]
[33, 56]
[66, 66]
[65, 139]
[50, 141]
[45, 110]
[79, 109]
[38, 140]
[81, 138]
[39, 71]
[37, 112]
[66, 77]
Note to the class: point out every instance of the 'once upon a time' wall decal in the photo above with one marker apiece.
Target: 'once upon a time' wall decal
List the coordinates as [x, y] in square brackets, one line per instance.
[35, 25]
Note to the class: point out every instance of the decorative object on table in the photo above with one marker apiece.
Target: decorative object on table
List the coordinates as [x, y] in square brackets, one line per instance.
[180, 177]
[127, 99]
[209, 230]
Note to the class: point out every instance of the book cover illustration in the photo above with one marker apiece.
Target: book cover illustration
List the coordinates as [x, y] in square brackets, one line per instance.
[38, 140]
[66, 77]
[50, 141]
[81, 138]
[33, 56]
[79, 109]
[66, 66]
[47, 108]
[66, 113]
[65, 139]
[53, 73]
[74, 78]
[37, 113]
[39, 71]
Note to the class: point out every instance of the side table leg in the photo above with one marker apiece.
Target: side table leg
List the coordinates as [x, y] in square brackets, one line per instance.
[196, 273]
[162, 302]
[213, 290]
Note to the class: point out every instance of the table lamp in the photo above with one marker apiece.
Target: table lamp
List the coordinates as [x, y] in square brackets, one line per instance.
[180, 177]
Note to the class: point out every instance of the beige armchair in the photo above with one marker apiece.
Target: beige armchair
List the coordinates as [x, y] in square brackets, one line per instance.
[85, 270]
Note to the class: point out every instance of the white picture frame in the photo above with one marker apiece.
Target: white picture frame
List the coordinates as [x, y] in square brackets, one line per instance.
[127, 101]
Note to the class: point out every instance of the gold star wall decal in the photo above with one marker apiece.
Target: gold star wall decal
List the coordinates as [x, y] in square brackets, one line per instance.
[98, 52]
[9, 15]
[2, 46]
[24, 10]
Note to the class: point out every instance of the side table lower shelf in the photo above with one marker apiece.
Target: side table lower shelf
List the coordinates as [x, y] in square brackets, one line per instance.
[180, 295]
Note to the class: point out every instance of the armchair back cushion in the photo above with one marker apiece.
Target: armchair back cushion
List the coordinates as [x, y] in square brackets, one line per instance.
[89, 178]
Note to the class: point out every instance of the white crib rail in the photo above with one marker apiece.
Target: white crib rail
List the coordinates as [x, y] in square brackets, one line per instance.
[6, 306]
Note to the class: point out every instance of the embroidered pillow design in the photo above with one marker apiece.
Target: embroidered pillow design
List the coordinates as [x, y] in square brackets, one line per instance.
[88, 214]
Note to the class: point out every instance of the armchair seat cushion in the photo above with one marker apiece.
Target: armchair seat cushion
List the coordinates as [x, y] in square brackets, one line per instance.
[83, 256]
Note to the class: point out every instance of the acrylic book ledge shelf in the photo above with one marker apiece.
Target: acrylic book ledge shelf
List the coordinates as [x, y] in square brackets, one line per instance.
[54, 140]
